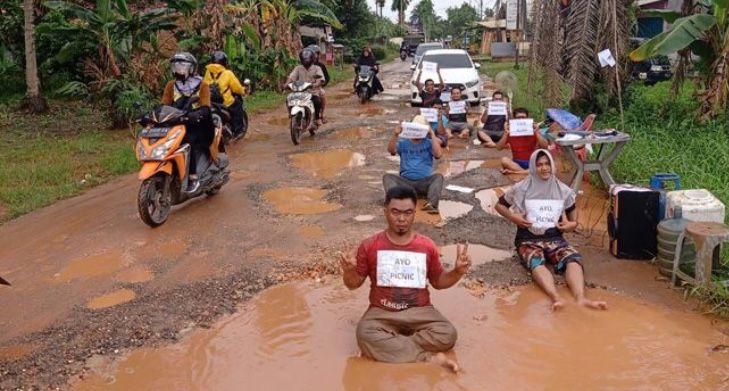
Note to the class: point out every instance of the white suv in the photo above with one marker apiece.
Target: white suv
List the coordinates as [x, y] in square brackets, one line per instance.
[457, 69]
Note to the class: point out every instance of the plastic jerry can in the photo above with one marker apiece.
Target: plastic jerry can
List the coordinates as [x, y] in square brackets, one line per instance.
[696, 205]
[658, 182]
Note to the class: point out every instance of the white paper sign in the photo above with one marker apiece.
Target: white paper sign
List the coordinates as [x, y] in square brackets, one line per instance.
[431, 115]
[543, 214]
[497, 108]
[412, 130]
[606, 58]
[521, 127]
[511, 14]
[430, 67]
[445, 96]
[401, 269]
[457, 107]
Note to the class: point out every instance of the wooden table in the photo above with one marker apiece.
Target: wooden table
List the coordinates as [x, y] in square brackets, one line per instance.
[604, 158]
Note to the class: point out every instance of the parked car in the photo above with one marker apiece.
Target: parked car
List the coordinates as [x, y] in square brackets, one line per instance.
[424, 47]
[652, 70]
[457, 69]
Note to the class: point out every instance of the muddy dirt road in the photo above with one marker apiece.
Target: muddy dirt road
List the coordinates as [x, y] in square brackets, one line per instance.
[91, 281]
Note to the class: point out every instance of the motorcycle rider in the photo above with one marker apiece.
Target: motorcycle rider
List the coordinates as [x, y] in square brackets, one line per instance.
[185, 85]
[308, 72]
[229, 87]
[317, 58]
[367, 58]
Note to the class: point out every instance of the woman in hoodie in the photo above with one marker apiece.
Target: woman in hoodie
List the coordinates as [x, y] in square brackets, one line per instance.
[543, 208]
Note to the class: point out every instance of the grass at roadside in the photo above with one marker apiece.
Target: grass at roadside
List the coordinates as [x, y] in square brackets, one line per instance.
[532, 102]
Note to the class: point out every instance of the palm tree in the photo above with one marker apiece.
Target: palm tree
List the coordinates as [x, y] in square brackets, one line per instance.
[34, 101]
[400, 6]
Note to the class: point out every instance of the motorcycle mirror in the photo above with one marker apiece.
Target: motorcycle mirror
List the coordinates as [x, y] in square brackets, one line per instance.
[477, 65]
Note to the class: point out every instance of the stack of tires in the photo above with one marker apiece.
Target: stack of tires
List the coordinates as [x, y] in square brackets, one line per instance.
[668, 232]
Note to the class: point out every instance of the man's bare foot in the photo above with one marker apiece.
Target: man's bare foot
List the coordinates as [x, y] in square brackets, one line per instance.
[595, 305]
[445, 362]
[557, 305]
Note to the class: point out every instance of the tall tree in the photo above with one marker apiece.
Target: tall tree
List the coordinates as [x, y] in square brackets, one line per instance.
[34, 101]
[460, 19]
[400, 6]
[425, 13]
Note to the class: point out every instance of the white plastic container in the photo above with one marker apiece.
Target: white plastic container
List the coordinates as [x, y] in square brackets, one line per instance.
[696, 205]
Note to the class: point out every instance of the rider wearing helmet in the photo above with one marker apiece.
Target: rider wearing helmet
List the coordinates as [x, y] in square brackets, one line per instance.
[309, 72]
[317, 58]
[229, 87]
[179, 91]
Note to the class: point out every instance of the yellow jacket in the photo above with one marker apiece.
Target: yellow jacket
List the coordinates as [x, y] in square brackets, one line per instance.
[227, 82]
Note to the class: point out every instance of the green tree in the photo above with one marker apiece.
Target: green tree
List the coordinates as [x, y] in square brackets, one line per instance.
[460, 19]
[424, 14]
[400, 6]
[34, 101]
[707, 35]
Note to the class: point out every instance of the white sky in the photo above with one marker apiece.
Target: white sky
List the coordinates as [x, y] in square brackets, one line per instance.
[439, 5]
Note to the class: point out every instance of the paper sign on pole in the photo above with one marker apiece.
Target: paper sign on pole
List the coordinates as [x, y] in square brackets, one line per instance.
[401, 269]
[543, 214]
[430, 67]
[606, 58]
[521, 127]
[497, 108]
[511, 14]
[412, 130]
[431, 115]
[457, 107]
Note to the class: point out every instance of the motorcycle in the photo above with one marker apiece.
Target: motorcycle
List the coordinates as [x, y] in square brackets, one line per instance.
[403, 54]
[224, 116]
[300, 106]
[166, 165]
[365, 80]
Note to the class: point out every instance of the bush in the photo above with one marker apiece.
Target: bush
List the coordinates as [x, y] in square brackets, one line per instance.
[131, 103]
[380, 52]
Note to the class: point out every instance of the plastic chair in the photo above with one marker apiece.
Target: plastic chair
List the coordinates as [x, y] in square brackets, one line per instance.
[707, 236]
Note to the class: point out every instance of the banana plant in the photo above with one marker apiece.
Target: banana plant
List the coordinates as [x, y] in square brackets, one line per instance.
[706, 35]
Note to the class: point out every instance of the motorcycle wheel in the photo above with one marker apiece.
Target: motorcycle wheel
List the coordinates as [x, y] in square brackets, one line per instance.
[153, 206]
[363, 96]
[215, 190]
[243, 127]
[297, 127]
[227, 134]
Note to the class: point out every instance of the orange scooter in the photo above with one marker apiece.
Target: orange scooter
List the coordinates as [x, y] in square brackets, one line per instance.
[166, 164]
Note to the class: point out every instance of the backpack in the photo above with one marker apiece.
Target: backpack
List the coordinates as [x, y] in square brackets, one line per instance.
[216, 96]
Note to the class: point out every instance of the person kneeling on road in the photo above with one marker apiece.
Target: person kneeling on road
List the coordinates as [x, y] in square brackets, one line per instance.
[522, 147]
[416, 166]
[458, 122]
[440, 127]
[543, 209]
[401, 325]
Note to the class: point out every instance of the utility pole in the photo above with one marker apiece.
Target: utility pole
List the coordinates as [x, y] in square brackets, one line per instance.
[518, 34]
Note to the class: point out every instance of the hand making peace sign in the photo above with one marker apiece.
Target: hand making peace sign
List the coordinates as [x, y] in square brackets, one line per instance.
[463, 260]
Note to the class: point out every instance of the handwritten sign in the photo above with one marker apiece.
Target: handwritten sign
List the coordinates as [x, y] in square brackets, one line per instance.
[457, 107]
[543, 214]
[445, 96]
[497, 108]
[521, 127]
[412, 130]
[401, 269]
[431, 115]
[430, 67]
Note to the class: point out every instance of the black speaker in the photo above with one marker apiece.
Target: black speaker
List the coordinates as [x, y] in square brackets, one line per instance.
[633, 223]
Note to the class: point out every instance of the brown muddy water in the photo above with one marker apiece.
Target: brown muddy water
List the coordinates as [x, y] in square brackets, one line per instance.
[327, 164]
[302, 337]
[111, 299]
[300, 201]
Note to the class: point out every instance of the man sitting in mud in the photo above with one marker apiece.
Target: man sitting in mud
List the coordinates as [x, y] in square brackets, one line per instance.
[543, 208]
[401, 325]
[416, 165]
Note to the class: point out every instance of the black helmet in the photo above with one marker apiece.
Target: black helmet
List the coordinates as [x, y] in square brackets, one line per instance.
[183, 65]
[221, 58]
[306, 57]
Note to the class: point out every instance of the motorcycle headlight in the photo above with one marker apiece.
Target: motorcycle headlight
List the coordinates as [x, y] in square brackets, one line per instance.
[161, 151]
[472, 83]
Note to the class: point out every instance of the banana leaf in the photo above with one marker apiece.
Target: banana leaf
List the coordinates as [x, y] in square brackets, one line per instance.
[683, 33]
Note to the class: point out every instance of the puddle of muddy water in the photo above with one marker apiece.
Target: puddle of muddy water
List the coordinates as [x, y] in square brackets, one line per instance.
[480, 254]
[300, 201]
[111, 299]
[278, 121]
[92, 266]
[327, 164]
[302, 337]
[134, 275]
[489, 198]
[448, 210]
[15, 352]
[256, 136]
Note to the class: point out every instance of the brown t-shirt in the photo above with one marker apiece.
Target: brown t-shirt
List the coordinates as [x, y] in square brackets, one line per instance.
[398, 274]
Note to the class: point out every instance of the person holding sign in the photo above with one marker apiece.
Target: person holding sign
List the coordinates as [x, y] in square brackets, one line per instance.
[543, 208]
[440, 125]
[401, 325]
[416, 165]
[428, 93]
[493, 120]
[458, 115]
[522, 146]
